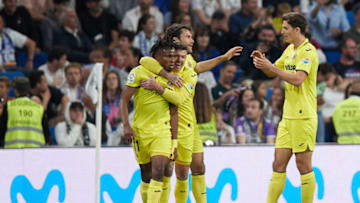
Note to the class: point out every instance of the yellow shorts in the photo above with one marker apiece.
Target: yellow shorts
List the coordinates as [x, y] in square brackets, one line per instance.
[185, 147]
[147, 145]
[198, 145]
[298, 135]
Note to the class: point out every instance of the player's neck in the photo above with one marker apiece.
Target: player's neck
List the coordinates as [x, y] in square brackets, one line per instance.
[298, 41]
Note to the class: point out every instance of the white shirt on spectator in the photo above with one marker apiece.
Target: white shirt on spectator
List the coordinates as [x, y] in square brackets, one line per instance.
[131, 19]
[51, 76]
[16, 38]
[74, 94]
[209, 80]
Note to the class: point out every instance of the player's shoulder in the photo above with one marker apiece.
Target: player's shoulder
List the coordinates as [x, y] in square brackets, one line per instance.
[190, 61]
[308, 48]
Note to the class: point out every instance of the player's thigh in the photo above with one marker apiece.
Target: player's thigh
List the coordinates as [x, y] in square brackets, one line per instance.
[283, 137]
[304, 134]
[185, 147]
[161, 144]
[281, 160]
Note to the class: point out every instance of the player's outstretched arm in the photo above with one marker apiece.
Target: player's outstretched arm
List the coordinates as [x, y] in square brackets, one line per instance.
[211, 63]
[154, 66]
[174, 130]
[258, 54]
[126, 95]
[267, 67]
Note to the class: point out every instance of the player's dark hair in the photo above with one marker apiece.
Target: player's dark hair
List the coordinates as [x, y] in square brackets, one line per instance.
[180, 46]
[161, 44]
[175, 30]
[296, 19]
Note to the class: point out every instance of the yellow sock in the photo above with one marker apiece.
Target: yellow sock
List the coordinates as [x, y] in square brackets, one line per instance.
[307, 187]
[143, 190]
[181, 190]
[276, 187]
[199, 188]
[165, 190]
[154, 191]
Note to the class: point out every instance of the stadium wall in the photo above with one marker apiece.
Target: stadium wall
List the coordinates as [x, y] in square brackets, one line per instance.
[234, 174]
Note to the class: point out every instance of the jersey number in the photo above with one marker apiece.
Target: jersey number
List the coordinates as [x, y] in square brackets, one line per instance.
[25, 113]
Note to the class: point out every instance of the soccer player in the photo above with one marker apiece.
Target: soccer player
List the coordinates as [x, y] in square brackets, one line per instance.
[150, 133]
[183, 34]
[297, 66]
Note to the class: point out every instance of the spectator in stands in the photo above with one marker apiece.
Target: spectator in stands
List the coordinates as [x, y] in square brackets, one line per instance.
[18, 18]
[348, 67]
[12, 39]
[111, 97]
[225, 89]
[220, 37]
[132, 57]
[253, 127]
[328, 22]
[354, 31]
[75, 130]
[23, 121]
[261, 18]
[238, 106]
[206, 51]
[276, 103]
[4, 91]
[131, 18]
[119, 8]
[101, 54]
[99, 25]
[260, 89]
[204, 9]
[125, 42]
[267, 43]
[74, 40]
[52, 23]
[177, 7]
[72, 88]
[282, 8]
[54, 68]
[346, 117]
[241, 19]
[185, 19]
[52, 99]
[146, 36]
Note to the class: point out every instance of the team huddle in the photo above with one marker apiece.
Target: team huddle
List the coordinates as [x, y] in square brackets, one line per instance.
[164, 131]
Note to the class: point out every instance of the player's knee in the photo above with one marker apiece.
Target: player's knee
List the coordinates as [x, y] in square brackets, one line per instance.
[279, 166]
[303, 165]
[182, 174]
[197, 168]
[158, 172]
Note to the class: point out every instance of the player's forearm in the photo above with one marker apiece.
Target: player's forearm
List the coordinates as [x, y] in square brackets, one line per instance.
[174, 97]
[174, 121]
[207, 65]
[269, 73]
[291, 78]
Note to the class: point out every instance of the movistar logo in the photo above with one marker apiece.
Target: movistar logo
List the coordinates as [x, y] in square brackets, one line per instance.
[116, 193]
[22, 185]
[355, 186]
[293, 194]
[226, 176]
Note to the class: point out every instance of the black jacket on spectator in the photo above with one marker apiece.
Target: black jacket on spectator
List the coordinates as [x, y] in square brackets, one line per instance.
[78, 49]
[22, 22]
[98, 29]
[223, 41]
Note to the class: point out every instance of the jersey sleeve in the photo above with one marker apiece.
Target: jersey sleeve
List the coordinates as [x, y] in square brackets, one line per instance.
[175, 96]
[134, 78]
[306, 58]
[151, 64]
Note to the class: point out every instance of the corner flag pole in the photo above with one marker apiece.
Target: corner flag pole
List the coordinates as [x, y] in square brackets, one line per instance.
[99, 75]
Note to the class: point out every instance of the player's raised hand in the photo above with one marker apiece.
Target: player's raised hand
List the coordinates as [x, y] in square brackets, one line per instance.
[235, 51]
[175, 79]
[129, 133]
[257, 53]
[262, 63]
[149, 84]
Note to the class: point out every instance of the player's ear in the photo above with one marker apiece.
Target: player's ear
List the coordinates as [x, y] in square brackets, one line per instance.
[176, 39]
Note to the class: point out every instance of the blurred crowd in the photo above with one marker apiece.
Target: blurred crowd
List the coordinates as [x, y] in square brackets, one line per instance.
[55, 44]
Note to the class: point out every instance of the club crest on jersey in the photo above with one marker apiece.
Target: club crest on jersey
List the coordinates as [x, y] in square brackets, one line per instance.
[131, 77]
[305, 60]
[189, 64]
[191, 86]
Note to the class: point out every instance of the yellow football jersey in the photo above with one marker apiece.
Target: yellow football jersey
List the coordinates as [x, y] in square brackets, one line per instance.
[300, 102]
[190, 62]
[151, 109]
